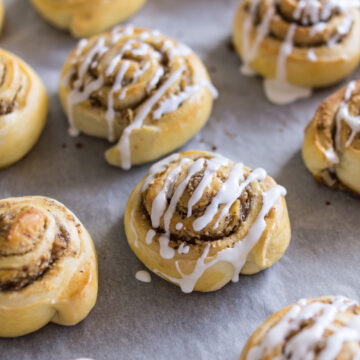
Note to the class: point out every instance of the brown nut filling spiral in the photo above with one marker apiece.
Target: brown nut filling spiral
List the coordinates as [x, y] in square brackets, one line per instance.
[331, 148]
[24, 233]
[135, 80]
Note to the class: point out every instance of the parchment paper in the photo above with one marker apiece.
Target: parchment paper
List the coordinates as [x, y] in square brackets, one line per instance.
[134, 320]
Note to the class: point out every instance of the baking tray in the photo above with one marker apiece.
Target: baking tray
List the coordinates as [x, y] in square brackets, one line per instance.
[134, 320]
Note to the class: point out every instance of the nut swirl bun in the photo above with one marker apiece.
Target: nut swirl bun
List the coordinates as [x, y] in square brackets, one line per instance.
[139, 88]
[198, 220]
[331, 148]
[326, 328]
[297, 43]
[2, 14]
[84, 18]
[23, 108]
[48, 266]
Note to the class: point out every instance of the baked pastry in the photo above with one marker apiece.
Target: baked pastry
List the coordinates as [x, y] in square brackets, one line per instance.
[326, 328]
[138, 86]
[2, 14]
[331, 148]
[84, 18]
[297, 45]
[48, 266]
[23, 108]
[198, 220]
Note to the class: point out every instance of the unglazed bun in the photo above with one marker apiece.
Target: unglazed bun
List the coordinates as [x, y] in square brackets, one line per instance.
[23, 108]
[2, 14]
[84, 18]
[48, 266]
[326, 328]
[139, 87]
[304, 43]
[331, 148]
[198, 220]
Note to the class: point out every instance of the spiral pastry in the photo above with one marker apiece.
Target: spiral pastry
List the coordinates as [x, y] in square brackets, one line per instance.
[198, 220]
[326, 328]
[138, 86]
[331, 148]
[2, 14]
[23, 108]
[48, 266]
[291, 43]
[84, 18]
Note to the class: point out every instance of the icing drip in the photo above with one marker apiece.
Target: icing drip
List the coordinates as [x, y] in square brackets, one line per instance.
[149, 236]
[124, 142]
[353, 122]
[278, 90]
[236, 255]
[143, 276]
[344, 115]
[172, 102]
[183, 248]
[157, 168]
[227, 195]
[110, 113]
[179, 226]
[83, 88]
[304, 343]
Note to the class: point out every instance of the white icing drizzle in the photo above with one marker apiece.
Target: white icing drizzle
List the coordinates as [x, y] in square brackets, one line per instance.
[303, 344]
[213, 165]
[133, 229]
[172, 102]
[82, 89]
[278, 90]
[183, 248]
[230, 190]
[143, 276]
[124, 142]
[179, 226]
[110, 113]
[149, 236]
[236, 255]
[344, 115]
[157, 168]
[311, 55]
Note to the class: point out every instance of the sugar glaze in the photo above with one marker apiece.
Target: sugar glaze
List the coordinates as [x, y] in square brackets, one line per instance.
[278, 90]
[159, 102]
[303, 344]
[166, 201]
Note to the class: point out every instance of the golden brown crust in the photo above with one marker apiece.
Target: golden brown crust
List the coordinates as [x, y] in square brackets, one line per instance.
[147, 91]
[333, 40]
[347, 350]
[84, 18]
[327, 152]
[221, 233]
[23, 108]
[48, 267]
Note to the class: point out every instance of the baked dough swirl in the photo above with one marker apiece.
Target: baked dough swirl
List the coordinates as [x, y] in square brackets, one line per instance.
[23, 108]
[84, 18]
[198, 220]
[48, 266]
[331, 148]
[138, 86]
[326, 328]
[2, 14]
[306, 43]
